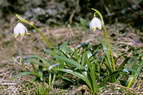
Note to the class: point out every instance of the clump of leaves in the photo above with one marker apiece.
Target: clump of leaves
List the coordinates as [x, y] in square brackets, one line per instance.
[88, 63]
[93, 65]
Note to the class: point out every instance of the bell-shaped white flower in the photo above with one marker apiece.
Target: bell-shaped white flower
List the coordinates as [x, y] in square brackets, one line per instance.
[95, 24]
[20, 30]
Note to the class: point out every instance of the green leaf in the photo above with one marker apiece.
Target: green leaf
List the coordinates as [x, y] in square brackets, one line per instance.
[69, 61]
[79, 75]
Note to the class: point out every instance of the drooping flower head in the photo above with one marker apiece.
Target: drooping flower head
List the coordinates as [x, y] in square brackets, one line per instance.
[20, 30]
[95, 24]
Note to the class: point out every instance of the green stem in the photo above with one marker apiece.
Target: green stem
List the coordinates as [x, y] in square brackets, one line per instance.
[108, 44]
[44, 38]
[106, 41]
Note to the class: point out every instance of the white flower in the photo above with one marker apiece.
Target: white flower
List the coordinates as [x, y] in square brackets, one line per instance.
[95, 24]
[20, 30]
